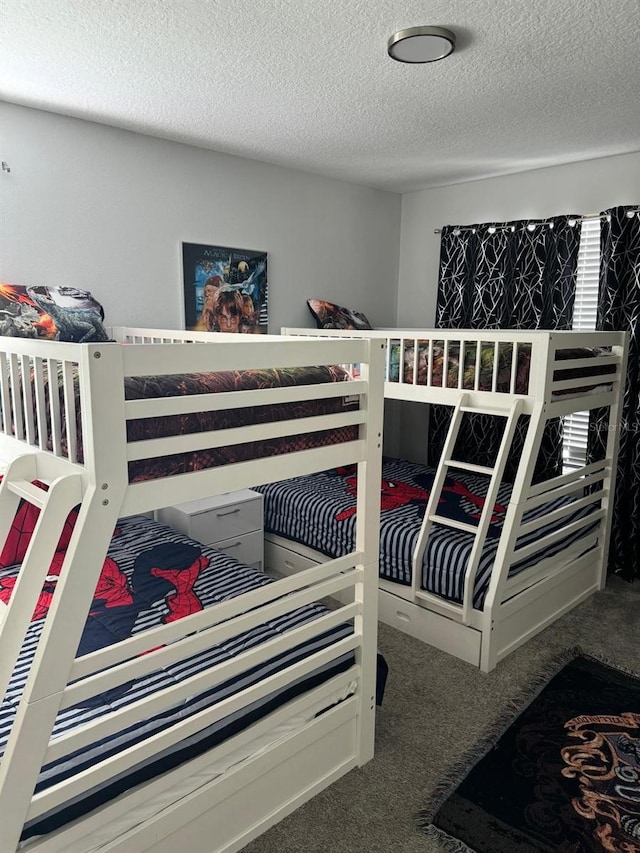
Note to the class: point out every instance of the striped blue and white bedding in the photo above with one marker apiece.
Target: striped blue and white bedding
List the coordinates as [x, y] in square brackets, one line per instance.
[131, 601]
[319, 511]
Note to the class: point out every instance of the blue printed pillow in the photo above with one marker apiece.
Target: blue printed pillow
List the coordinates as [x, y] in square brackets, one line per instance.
[51, 313]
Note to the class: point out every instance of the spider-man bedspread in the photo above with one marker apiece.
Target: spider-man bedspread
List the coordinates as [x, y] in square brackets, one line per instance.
[153, 575]
[319, 511]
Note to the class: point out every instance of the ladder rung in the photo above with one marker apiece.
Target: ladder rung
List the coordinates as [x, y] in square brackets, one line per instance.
[501, 413]
[452, 522]
[24, 489]
[469, 466]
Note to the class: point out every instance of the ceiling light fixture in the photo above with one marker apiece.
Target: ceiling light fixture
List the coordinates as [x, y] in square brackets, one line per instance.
[421, 44]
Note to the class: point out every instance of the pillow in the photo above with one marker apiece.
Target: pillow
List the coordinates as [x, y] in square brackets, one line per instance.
[328, 315]
[51, 313]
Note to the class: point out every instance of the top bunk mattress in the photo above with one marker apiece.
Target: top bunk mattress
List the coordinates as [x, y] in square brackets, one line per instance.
[439, 366]
[180, 385]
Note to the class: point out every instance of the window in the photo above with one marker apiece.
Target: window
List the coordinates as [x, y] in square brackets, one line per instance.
[585, 312]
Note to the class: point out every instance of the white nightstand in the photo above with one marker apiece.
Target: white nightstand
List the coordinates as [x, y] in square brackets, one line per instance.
[231, 523]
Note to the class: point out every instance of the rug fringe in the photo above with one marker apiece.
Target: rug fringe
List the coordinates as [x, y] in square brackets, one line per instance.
[610, 663]
[458, 771]
[447, 842]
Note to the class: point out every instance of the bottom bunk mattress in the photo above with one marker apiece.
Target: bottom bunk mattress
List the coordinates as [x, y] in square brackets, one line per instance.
[153, 575]
[319, 511]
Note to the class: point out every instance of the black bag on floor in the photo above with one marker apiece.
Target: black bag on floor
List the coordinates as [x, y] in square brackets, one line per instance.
[381, 678]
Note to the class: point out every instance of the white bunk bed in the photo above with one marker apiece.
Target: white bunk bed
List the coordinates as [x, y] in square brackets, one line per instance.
[222, 797]
[551, 549]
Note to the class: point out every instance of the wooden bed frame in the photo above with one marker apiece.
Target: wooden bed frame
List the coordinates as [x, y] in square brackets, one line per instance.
[518, 607]
[226, 812]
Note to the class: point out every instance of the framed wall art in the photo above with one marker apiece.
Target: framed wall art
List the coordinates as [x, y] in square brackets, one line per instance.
[225, 289]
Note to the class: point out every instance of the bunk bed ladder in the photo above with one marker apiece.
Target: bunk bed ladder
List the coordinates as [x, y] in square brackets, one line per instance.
[479, 531]
[54, 504]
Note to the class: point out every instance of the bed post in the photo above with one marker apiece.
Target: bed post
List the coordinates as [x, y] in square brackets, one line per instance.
[367, 541]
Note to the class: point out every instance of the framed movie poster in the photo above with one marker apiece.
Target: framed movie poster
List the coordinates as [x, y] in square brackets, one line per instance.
[225, 289]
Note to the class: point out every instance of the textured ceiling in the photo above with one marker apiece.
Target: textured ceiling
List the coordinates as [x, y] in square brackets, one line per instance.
[308, 83]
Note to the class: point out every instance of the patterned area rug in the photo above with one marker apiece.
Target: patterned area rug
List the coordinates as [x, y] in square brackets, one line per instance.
[561, 777]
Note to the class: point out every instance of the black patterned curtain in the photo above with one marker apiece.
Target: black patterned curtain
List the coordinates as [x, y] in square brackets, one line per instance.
[619, 310]
[505, 275]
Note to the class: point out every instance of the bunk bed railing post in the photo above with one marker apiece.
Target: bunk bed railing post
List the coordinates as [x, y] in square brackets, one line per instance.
[367, 541]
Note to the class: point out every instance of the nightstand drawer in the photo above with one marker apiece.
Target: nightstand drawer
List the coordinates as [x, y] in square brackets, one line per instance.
[218, 518]
[224, 522]
[247, 549]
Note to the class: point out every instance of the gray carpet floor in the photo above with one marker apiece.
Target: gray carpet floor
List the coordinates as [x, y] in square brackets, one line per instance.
[436, 707]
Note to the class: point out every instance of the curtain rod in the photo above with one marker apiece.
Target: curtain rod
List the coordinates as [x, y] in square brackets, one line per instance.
[573, 221]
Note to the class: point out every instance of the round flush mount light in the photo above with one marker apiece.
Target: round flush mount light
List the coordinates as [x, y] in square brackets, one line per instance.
[421, 44]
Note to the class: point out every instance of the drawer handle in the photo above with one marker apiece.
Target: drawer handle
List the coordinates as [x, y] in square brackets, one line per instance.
[228, 512]
[232, 545]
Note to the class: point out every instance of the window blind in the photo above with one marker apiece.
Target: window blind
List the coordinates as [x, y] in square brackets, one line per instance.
[585, 313]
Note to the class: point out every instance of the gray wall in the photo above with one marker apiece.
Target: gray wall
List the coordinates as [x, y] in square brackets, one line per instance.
[96, 207]
[92, 206]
